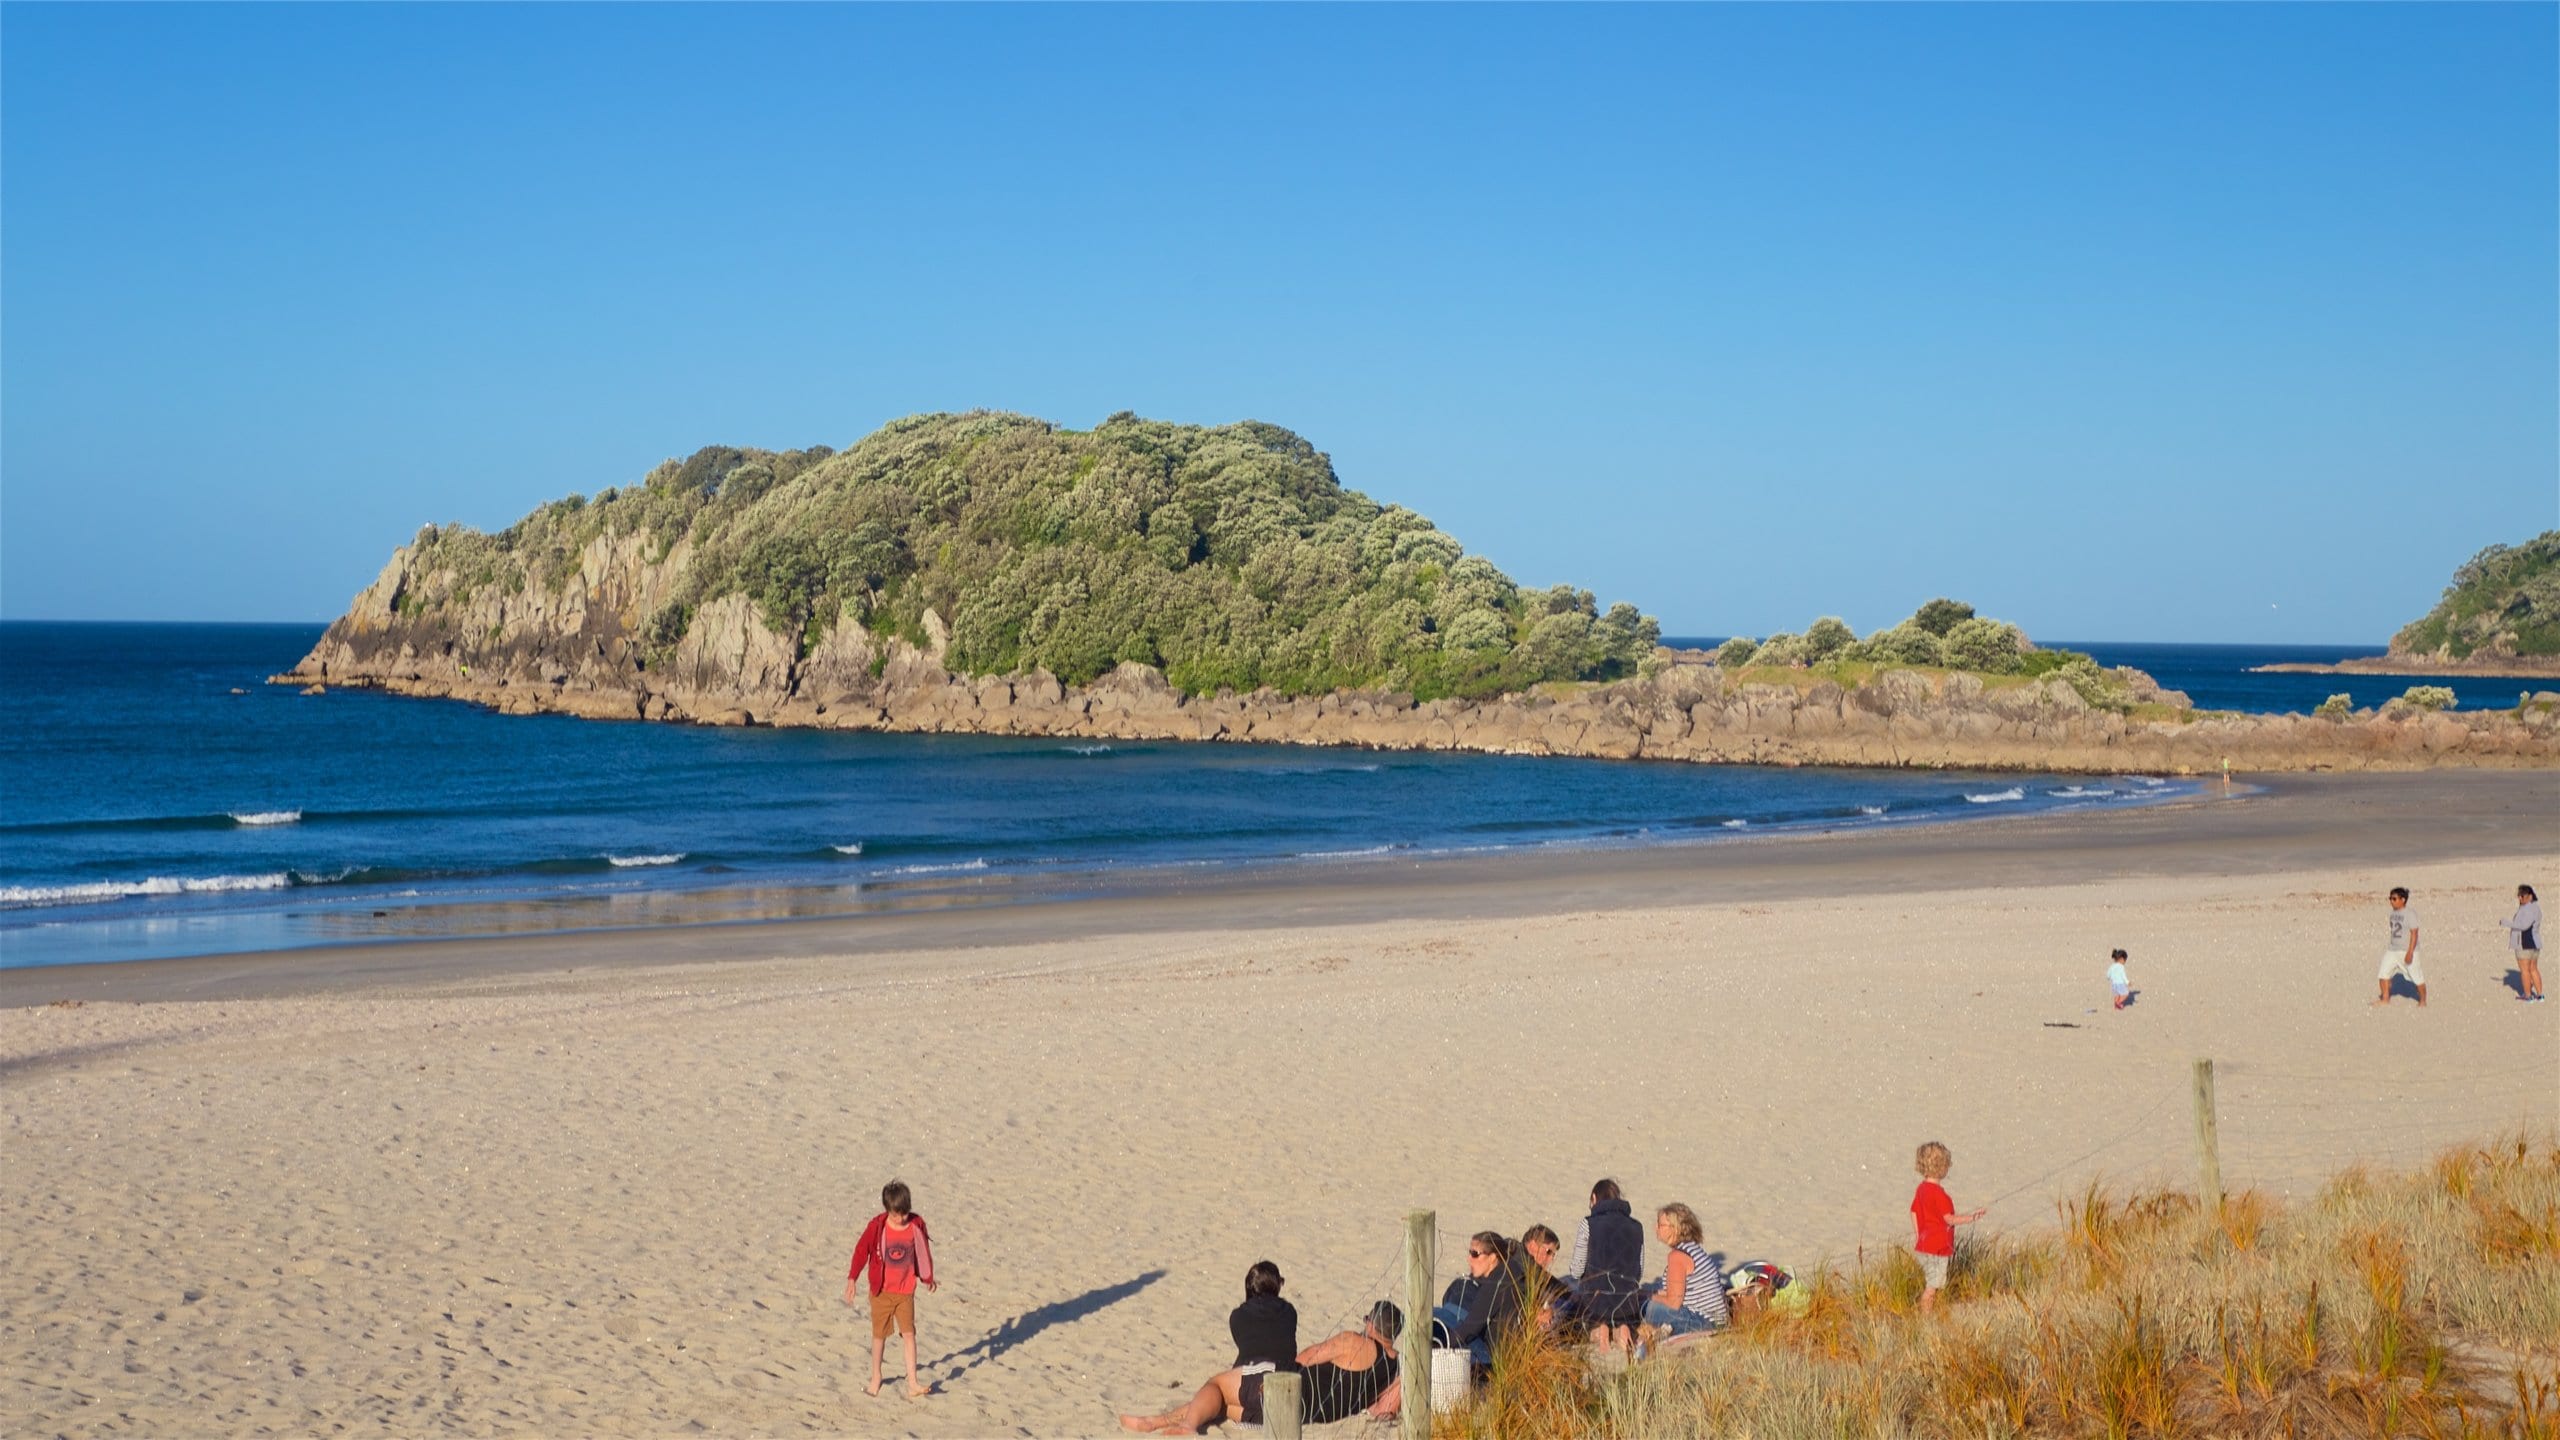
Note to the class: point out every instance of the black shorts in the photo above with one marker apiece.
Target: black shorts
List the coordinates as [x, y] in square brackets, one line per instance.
[1609, 1307]
[1249, 1395]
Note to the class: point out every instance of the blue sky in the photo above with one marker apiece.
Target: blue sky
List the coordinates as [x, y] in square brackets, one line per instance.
[2166, 322]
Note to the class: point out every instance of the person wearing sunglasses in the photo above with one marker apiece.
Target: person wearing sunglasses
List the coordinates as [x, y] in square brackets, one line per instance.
[1510, 1292]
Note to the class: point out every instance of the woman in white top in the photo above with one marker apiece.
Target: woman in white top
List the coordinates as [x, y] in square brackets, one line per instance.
[2524, 941]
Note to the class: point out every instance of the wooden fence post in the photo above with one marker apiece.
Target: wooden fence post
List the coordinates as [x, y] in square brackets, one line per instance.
[2208, 1139]
[1421, 1257]
[1280, 1405]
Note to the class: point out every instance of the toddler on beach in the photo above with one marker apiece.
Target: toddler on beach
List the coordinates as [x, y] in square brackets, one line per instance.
[899, 1252]
[1934, 1216]
[2117, 980]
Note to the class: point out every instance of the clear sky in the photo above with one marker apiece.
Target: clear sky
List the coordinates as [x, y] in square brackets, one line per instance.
[2168, 322]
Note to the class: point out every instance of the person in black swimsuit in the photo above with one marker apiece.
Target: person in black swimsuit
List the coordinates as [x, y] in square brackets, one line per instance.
[1354, 1373]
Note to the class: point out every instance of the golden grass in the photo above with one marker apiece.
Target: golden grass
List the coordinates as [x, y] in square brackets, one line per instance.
[2422, 1304]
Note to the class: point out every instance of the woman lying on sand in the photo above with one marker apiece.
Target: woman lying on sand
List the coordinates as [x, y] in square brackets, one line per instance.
[1353, 1373]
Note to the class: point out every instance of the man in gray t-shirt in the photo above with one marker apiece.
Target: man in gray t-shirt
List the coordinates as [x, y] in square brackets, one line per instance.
[2402, 956]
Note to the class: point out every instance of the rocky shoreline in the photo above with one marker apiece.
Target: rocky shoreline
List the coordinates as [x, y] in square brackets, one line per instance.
[575, 652]
[2486, 667]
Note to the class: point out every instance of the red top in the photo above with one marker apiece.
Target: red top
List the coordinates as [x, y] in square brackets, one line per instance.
[1930, 1208]
[898, 1259]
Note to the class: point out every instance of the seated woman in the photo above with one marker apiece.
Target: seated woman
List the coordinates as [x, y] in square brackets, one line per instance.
[1265, 1326]
[1512, 1292]
[1690, 1296]
[1354, 1373]
[1607, 1296]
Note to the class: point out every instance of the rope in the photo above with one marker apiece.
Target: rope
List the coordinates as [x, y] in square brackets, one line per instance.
[2126, 1134]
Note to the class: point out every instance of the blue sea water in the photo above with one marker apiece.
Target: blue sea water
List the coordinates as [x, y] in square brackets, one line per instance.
[148, 810]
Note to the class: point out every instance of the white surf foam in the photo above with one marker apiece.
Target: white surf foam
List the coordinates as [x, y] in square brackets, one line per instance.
[2080, 792]
[1347, 854]
[939, 869]
[22, 896]
[265, 817]
[1088, 749]
[853, 849]
[626, 862]
[1997, 796]
[1737, 824]
[1871, 809]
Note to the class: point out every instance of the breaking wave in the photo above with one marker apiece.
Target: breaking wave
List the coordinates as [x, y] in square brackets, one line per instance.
[13, 897]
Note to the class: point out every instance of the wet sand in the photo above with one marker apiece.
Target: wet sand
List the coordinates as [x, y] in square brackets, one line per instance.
[605, 1184]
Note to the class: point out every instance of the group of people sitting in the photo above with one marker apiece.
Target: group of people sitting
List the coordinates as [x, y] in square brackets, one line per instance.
[1509, 1285]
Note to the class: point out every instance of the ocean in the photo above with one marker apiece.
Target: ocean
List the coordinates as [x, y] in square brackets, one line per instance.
[158, 799]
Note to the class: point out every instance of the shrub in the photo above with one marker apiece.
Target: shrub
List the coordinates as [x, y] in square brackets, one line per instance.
[1737, 652]
[1991, 647]
[2337, 707]
[1783, 648]
[1825, 638]
[2093, 684]
[1940, 616]
[1909, 643]
[2428, 697]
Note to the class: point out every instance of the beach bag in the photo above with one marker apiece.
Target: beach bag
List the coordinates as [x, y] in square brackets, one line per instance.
[1756, 1285]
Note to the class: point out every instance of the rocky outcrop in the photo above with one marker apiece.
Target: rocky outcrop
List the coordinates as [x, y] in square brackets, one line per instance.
[578, 651]
[2486, 665]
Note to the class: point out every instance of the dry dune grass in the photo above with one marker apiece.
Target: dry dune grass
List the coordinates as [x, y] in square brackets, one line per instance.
[2414, 1304]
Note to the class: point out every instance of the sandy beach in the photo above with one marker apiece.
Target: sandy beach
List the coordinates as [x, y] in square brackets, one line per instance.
[606, 1184]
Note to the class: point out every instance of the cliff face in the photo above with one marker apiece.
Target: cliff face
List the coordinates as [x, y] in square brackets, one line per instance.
[576, 650]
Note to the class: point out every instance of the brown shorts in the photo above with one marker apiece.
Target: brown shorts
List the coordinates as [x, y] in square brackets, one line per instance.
[890, 1311]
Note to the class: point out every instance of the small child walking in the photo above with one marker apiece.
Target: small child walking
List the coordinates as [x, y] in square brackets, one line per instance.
[2117, 980]
[899, 1252]
[1935, 1217]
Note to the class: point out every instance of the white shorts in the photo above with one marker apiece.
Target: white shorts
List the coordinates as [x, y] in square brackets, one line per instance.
[2392, 964]
[1933, 1270]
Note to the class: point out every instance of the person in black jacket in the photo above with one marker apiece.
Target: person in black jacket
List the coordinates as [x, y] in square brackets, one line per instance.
[1265, 1326]
[1608, 1294]
[1511, 1288]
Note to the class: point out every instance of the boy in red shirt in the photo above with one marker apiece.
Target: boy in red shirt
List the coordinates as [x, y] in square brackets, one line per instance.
[900, 1254]
[1936, 1218]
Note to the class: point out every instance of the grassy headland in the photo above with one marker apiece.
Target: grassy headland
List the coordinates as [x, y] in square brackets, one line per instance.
[2503, 603]
[1228, 557]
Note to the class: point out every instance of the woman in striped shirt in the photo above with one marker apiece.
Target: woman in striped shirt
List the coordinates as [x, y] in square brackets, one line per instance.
[1690, 1277]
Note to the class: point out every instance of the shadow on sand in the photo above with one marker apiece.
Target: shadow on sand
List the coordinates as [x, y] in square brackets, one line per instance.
[1031, 1322]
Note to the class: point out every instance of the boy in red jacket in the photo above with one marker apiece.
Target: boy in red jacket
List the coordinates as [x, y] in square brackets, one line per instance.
[900, 1253]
